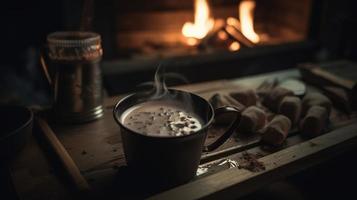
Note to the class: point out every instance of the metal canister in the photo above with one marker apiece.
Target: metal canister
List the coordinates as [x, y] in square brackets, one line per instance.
[74, 59]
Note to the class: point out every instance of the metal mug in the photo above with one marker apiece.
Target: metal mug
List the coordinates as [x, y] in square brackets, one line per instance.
[75, 75]
[170, 161]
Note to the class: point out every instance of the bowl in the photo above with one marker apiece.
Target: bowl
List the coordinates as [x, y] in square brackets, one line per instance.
[15, 128]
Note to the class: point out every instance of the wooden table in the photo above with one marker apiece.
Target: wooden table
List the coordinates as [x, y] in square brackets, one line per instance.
[97, 151]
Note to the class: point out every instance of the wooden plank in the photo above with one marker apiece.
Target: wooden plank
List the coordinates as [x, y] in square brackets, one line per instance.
[256, 148]
[33, 174]
[102, 147]
[319, 76]
[100, 154]
[69, 165]
[238, 144]
[94, 145]
[255, 80]
[233, 183]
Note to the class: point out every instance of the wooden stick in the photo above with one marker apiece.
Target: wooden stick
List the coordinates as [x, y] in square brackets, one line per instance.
[237, 35]
[319, 76]
[322, 78]
[70, 166]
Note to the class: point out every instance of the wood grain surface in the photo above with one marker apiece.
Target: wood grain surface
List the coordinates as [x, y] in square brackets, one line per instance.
[97, 151]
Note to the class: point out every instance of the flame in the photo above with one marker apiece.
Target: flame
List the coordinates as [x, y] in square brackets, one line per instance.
[246, 9]
[203, 22]
[192, 42]
[235, 46]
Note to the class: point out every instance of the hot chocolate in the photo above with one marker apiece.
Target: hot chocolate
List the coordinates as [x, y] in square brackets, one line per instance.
[161, 119]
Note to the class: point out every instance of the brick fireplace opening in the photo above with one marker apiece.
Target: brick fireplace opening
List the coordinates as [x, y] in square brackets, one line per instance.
[160, 29]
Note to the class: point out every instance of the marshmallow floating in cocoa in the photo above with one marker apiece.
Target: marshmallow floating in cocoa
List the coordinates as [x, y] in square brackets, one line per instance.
[277, 130]
[247, 97]
[315, 99]
[290, 106]
[314, 121]
[276, 95]
[252, 120]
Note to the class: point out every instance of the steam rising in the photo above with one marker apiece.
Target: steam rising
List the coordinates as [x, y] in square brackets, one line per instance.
[160, 91]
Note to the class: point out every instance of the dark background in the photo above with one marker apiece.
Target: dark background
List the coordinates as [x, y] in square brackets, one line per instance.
[25, 24]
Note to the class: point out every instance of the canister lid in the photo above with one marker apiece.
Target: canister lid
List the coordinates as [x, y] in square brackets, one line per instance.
[73, 39]
[74, 46]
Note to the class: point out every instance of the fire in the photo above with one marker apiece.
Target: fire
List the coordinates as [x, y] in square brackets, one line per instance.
[192, 41]
[222, 35]
[233, 22]
[246, 9]
[203, 23]
[235, 46]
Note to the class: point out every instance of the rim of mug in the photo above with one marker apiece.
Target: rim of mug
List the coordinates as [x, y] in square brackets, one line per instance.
[206, 125]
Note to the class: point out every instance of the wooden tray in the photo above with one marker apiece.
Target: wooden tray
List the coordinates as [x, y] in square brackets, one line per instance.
[96, 149]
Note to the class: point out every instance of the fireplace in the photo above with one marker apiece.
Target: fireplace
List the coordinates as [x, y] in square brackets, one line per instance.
[205, 39]
[160, 29]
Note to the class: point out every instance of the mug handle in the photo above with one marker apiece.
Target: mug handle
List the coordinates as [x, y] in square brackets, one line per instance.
[232, 127]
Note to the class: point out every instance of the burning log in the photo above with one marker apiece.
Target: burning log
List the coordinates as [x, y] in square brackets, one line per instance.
[237, 35]
[224, 35]
[205, 30]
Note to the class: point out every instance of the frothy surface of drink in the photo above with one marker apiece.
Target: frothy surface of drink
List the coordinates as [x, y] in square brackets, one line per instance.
[161, 119]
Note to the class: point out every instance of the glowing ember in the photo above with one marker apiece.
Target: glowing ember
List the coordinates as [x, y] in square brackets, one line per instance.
[222, 35]
[203, 22]
[192, 41]
[235, 46]
[246, 9]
